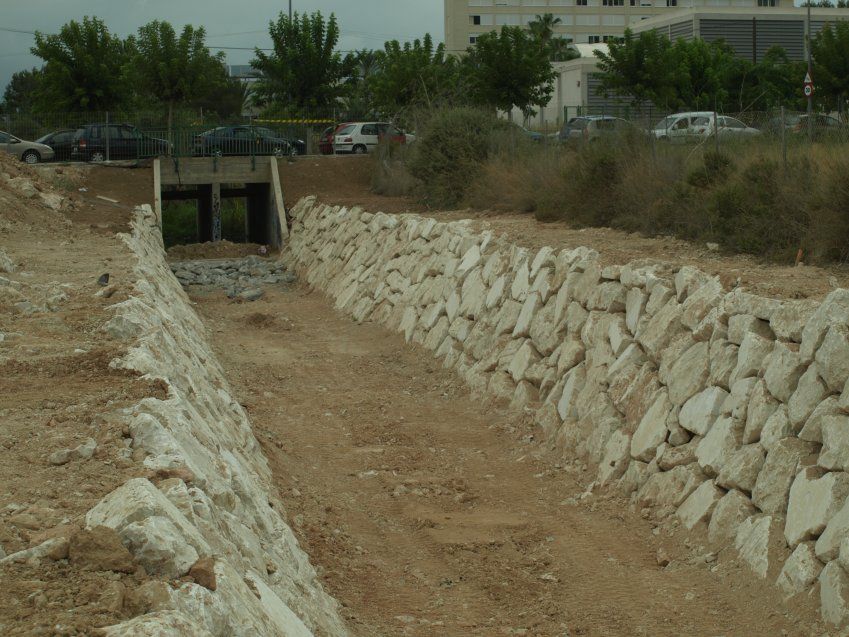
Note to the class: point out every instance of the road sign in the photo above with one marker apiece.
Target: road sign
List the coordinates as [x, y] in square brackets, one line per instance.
[809, 85]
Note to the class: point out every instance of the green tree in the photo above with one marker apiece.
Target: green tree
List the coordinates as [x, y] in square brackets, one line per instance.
[542, 28]
[83, 68]
[830, 50]
[642, 68]
[702, 70]
[508, 68]
[174, 69]
[303, 71]
[358, 99]
[413, 75]
[20, 92]
[767, 85]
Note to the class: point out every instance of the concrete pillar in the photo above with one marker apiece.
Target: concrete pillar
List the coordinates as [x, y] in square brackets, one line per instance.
[204, 225]
[216, 211]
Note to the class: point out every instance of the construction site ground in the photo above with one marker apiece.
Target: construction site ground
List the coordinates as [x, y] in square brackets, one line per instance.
[425, 512]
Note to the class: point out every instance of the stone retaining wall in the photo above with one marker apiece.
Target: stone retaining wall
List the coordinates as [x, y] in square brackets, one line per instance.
[210, 507]
[725, 409]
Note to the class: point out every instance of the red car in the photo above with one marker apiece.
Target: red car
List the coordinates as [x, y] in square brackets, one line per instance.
[325, 142]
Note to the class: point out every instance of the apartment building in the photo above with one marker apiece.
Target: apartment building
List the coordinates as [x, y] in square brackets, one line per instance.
[582, 21]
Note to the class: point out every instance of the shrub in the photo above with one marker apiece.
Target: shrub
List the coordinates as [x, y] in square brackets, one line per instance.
[450, 151]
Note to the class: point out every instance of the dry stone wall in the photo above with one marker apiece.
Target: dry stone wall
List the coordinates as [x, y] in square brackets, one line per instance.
[210, 513]
[725, 409]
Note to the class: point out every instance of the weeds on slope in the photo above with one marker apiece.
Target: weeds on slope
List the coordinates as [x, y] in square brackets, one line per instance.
[744, 196]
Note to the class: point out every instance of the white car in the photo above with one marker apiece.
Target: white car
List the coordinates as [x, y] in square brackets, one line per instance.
[683, 127]
[29, 152]
[697, 125]
[360, 138]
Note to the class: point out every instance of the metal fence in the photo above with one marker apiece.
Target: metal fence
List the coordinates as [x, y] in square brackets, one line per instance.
[138, 135]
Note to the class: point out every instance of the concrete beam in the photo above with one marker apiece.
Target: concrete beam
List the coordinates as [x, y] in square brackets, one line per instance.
[207, 170]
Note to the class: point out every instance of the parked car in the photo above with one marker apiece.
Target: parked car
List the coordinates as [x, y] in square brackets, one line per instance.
[325, 140]
[683, 127]
[245, 140]
[29, 152]
[728, 127]
[61, 141]
[361, 137]
[592, 127]
[824, 126]
[125, 141]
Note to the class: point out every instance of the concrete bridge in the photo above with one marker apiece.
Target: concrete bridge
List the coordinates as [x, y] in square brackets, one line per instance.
[209, 179]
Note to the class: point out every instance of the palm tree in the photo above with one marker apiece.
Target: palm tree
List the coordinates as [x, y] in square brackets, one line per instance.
[543, 30]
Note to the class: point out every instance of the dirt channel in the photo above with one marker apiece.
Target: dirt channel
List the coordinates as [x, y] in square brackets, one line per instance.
[430, 514]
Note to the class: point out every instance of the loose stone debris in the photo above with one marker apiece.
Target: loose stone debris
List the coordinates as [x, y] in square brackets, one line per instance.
[241, 279]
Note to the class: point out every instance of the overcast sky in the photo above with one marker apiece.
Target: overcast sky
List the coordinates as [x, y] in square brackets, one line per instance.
[235, 23]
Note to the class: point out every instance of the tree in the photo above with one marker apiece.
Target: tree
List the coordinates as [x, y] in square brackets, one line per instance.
[417, 74]
[176, 70]
[84, 68]
[702, 70]
[358, 99]
[771, 83]
[303, 71]
[542, 28]
[641, 68]
[20, 92]
[830, 50]
[507, 69]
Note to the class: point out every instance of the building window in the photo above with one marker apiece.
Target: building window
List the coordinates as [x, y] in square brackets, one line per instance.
[613, 3]
[475, 19]
[594, 39]
[767, 3]
[633, 3]
[473, 39]
[580, 3]
[671, 3]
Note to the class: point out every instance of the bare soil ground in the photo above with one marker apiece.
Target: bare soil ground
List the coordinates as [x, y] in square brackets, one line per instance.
[56, 391]
[347, 181]
[430, 514]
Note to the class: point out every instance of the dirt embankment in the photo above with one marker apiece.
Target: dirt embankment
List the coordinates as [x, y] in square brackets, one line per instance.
[60, 448]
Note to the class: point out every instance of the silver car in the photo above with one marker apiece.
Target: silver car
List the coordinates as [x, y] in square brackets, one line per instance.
[29, 152]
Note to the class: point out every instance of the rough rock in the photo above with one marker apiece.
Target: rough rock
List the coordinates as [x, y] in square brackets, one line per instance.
[699, 505]
[800, 570]
[729, 513]
[742, 469]
[814, 499]
[689, 373]
[833, 357]
[100, 549]
[755, 542]
[782, 464]
[680, 455]
[716, 448]
[836, 530]
[789, 320]
[834, 594]
[809, 393]
[616, 457]
[784, 368]
[741, 324]
[203, 573]
[652, 430]
[670, 488]
[699, 412]
[833, 310]
[812, 430]
[750, 358]
[55, 548]
[761, 406]
[777, 427]
[166, 623]
[158, 545]
[835, 443]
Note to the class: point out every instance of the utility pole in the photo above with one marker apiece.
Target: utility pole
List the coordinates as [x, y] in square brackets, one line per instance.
[811, 91]
[290, 12]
